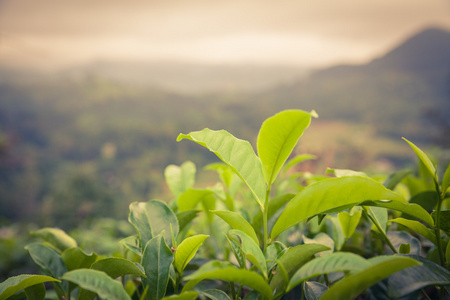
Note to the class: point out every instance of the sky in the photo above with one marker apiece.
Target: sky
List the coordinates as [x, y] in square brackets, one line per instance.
[304, 33]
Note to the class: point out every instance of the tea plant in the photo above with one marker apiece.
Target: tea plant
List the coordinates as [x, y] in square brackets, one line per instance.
[247, 237]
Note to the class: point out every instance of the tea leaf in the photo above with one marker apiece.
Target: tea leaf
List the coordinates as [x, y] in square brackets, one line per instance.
[132, 244]
[331, 194]
[381, 267]
[185, 217]
[75, 258]
[349, 222]
[251, 250]
[292, 260]
[236, 247]
[417, 227]
[395, 178]
[191, 295]
[35, 292]
[55, 237]
[214, 294]
[151, 218]
[236, 153]
[192, 197]
[14, 284]
[116, 267]
[227, 272]
[277, 138]
[412, 279]
[186, 251]
[445, 181]
[236, 221]
[298, 159]
[97, 282]
[314, 290]
[425, 160]
[180, 178]
[156, 260]
[335, 262]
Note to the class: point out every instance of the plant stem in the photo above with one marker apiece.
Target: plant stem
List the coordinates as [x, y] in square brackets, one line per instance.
[265, 214]
[437, 228]
[386, 239]
[239, 292]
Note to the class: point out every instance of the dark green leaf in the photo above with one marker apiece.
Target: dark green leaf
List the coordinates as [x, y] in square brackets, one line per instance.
[156, 260]
[185, 217]
[395, 178]
[214, 294]
[36, 292]
[116, 267]
[97, 282]
[314, 290]
[191, 295]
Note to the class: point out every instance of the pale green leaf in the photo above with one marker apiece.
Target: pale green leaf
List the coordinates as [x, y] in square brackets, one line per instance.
[277, 138]
[349, 222]
[236, 153]
[97, 282]
[75, 258]
[56, 237]
[323, 239]
[351, 286]
[251, 250]
[116, 267]
[15, 284]
[180, 178]
[186, 251]
[335, 262]
[151, 219]
[345, 172]
[331, 194]
[417, 227]
[192, 197]
[379, 216]
[216, 270]
[132, 244]
[292, 260]
[156, 260]
[236, 221]
[445, 181]
[425, 160]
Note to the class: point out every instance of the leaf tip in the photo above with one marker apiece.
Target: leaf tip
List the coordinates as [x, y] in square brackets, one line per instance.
[314, 114]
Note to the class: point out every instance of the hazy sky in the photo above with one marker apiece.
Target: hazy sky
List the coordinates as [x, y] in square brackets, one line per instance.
[301, 32]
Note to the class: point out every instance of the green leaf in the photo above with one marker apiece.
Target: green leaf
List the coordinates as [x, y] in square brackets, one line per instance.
[395, 178]
[55, 237]
[447, 254]
[15, 284]
[132, 244]
[192, 197]
[425, 160]
[412, 279]
[379, 216]
[292, 260]
[331, 194]
[251, 250]
[116, 267]
[298, 159]
[97, 282]
[47, 259]
[404, 249]
[273, 253]
[314, 290]
[180, 178]
[186, 251]
[185, 217]
[445, 220]
[335, 262]
[413, 210]
[417, 227]
[345, 172]
[236, 221]
[277, 138]
[151, 219]
[274, 205]
[214, 294]
[156, 261]
[349, 222]
[381, 267]
[445, 181]
[75, 258]
[236, 247]
[217, 270]
[36, 292]
[191, 295]
[236, 153]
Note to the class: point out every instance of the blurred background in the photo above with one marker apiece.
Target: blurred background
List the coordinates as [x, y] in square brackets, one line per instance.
[94, 93]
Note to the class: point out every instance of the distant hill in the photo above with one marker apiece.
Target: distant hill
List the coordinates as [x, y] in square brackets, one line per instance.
[405, 92]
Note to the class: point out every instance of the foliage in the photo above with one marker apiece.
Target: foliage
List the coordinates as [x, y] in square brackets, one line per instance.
[335, 238]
